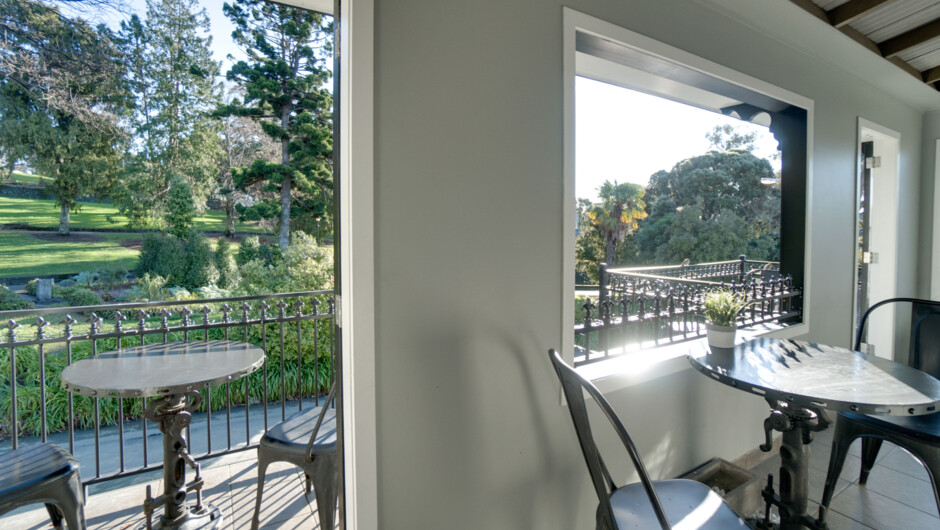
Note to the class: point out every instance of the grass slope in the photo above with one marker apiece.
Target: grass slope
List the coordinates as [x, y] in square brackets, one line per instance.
[22, 178]
[21, 254]
[45, 214]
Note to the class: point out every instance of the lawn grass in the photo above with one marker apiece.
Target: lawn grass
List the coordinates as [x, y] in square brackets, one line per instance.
[23, 178]
[21, 254]
[42, 213]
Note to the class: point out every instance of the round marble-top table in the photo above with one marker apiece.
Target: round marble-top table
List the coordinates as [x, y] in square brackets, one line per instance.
[802, 381]
[172, 372]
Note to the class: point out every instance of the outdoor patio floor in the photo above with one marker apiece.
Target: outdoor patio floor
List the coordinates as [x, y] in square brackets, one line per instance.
[230, 485]
[898, 494]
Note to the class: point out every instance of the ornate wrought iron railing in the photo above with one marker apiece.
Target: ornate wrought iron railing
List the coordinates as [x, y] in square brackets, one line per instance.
[294, 329]
[655, 305]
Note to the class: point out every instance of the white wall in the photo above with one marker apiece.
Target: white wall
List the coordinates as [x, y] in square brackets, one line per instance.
[468, 187]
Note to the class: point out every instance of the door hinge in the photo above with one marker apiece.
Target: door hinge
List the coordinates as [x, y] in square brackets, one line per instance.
[872, 162]
[869, 257]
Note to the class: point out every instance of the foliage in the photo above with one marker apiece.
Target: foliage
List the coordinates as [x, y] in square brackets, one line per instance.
[225, 264]
[180, 208]
[313, 377]
[82, 296]
[727, 137]
[10, 301]
[621, 208]
[305, 267]
[283, 79]
[722, 307]
[252, 248]
[711, 207]
[172, 78]
[59, 89]
[199, 270]
[152, 286]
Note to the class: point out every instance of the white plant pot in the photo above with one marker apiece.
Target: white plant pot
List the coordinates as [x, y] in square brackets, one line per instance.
[721, 336]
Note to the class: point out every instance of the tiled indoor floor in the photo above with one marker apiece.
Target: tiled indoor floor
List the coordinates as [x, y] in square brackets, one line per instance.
[230, 485]
[898, 494]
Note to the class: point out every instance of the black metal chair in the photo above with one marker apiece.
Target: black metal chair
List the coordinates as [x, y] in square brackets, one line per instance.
[307, 440]
[918, 435]
[648, 503]
[43, 473]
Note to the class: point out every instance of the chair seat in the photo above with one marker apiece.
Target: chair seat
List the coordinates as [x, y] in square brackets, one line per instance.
[293, 434]
[926, 427]
[688, 504]
[33, 466]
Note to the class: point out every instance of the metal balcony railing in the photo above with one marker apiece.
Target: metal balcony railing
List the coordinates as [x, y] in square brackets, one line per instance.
[110, 435]
[650, 306]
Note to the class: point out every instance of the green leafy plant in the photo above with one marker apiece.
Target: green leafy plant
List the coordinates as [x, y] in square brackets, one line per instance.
[9, 300]
[152, 286]
[722, 307]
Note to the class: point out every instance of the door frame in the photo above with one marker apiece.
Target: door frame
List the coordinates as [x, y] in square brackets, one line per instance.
[890, 169]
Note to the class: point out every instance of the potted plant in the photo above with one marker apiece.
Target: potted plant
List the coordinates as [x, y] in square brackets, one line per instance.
[722, 308]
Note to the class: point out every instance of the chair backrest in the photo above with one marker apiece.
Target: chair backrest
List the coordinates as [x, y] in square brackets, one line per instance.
[316, 427]
[574, 386]
[924, 351]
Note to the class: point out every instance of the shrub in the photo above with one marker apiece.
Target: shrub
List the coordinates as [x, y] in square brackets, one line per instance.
[149, 251]
[10, 301]
[31, 287]
[171, 260]
[181, 208]
[225, 265]
[252, 248]
[151, 286]
[305, 267]
[81, 296]
[198, 267]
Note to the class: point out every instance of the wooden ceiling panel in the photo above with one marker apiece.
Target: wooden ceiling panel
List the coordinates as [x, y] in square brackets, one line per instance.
[904, 32]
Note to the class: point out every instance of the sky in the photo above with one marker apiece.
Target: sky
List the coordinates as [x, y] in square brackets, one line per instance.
[627, 136]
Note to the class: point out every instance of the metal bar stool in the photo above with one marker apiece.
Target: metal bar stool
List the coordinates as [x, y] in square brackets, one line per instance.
[43, 473]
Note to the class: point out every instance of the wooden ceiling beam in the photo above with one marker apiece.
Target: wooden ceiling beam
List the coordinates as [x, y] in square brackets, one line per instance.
[909, 39]
[813, 9]
[852, 10]
[932, 75]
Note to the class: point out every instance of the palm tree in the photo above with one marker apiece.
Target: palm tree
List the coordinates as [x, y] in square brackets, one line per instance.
[621, 207]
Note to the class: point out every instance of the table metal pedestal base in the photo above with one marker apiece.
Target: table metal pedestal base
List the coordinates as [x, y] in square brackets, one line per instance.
[797, 425]
[173, 413]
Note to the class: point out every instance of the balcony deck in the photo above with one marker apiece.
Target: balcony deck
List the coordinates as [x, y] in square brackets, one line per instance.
[231, 483]
[898, 493]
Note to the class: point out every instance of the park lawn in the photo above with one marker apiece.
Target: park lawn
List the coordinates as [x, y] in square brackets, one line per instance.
[41, 213]
[21, 254]
[23, 178]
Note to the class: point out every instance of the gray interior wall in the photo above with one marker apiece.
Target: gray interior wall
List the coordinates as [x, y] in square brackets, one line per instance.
[927, 221]
[468, 191]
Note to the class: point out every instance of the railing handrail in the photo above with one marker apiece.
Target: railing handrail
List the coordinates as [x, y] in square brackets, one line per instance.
[141, 305]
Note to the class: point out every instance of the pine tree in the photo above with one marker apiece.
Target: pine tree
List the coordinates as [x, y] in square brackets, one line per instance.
[284, 78]
[172, 74]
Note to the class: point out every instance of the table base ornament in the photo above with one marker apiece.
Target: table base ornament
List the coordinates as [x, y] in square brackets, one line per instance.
[173, 413]
[797, 425]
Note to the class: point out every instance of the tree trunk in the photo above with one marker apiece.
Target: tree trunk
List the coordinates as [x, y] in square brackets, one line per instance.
[609, 251]
[284, 237]
[229, 216]
[64, 220]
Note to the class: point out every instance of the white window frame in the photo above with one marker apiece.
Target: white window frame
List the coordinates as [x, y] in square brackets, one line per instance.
[643, 366]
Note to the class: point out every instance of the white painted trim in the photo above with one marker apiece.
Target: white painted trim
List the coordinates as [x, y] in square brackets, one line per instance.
[935, 254]
[358, 259]
[574, 21]
[882, 135]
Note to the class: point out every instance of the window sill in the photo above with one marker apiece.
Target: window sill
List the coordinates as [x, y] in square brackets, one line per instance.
[647, 364]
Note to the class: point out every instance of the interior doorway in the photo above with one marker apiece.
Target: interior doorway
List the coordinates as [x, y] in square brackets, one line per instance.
[877, 234]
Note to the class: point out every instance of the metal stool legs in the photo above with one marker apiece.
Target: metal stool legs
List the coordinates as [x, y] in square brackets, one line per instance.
[325, 476]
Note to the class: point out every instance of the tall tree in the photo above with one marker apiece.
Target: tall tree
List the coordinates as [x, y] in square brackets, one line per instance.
[173, 76]
[621, 207]
[243, 141]
[711, 207]
[725, 137]
[59, 85]
[284, 79]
